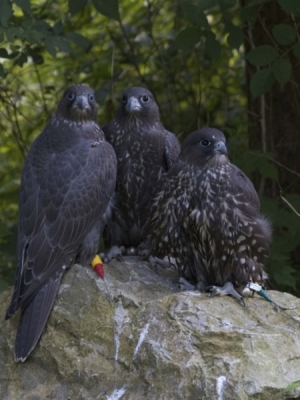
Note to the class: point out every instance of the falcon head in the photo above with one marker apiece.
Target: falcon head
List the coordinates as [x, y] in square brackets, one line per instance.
[78, 104]
[138, 104]
[205, 146]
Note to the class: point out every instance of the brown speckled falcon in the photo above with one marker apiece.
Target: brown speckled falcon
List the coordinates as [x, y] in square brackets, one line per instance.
[67, 183]
[145, 151]
[206, 215]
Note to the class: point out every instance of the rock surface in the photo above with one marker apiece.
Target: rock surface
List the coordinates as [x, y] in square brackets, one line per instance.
[140, 338]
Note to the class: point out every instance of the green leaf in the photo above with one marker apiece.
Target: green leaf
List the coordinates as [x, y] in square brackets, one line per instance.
[61, 43]
[290, 6]
[249, 14]
[292, 386]
[58, 28]
[4, 53]
[296, 51]
[262, 55]
[79, 40]
[108, 8]
[193, 14]
[204, 5]
[2, 73]
[282, 71]
[50, 48]
[22, 59]
[5, 11]
[24, 5]
[284, 34]
[261, 82]
[212, 47]
[236, 36]
[76, 5]
[187, 38]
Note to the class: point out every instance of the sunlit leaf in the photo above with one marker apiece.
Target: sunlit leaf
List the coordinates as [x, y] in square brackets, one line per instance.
[262, 55]
[292, 386]
[282, 70]
[24, 5]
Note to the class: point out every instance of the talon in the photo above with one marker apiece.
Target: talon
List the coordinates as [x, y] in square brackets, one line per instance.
[225, 290]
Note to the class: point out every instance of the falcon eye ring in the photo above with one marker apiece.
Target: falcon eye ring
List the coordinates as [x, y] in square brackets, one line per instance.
[124, 99]
[145, 99]
[70, 96]
[205, 143]
[91, 97]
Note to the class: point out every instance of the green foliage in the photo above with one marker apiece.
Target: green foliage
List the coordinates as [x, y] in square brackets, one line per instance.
[189, 53]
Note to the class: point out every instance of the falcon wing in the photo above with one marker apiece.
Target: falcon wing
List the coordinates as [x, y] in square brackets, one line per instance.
[172, 149]
[59, 204]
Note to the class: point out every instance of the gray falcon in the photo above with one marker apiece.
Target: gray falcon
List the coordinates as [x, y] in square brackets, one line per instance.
[206, 215]
[67, 184]
[145, 151]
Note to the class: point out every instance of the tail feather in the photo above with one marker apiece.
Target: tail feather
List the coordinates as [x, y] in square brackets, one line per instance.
[34, 317]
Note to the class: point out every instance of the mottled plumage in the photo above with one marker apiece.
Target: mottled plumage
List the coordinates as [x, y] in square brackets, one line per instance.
[145, 151]
[67, 183]
[206, 215]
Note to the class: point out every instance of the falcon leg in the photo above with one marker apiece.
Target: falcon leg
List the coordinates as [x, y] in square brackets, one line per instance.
[225, 290]
[114, 252]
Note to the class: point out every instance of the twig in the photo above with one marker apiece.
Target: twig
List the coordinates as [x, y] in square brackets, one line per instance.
[289, 204]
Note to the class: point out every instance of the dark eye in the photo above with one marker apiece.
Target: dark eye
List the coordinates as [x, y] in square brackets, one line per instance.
[124, 99]
[91, 97]
[145, 99]
[205, 143]
[70, 96]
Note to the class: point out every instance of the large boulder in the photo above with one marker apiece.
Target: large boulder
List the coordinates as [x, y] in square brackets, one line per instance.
[135, 336]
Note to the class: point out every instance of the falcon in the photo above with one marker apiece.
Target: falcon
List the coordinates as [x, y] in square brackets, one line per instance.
[206, 214]
[67, 184]
[145, 151]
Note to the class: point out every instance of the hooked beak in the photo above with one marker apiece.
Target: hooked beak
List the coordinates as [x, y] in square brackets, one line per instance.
[82, 103]
[220, 148]
[132, 104]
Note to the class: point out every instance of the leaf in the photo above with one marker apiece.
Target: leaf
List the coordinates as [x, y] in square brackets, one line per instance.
[187, 38]
[262, 55]
[79, 40]
[76, 5]
[193, 14]
[50, 48]
[290, 6]
[296, 51]
[249, 14]
[261, 82]
[206, 4]
[58, 28]
[5, 11]
[2, 73]
[4, 53]
[292, 386]
[24, 5]
[282, 71]
[108, 8]
[61, 43]
[236, 36]
[284, 34]
[213, 47]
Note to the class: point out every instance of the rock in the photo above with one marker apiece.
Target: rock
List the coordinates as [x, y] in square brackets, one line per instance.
[140, 338]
